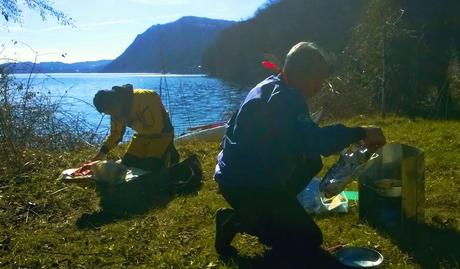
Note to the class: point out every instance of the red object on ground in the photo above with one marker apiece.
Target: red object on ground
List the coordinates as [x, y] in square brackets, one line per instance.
[85, 170]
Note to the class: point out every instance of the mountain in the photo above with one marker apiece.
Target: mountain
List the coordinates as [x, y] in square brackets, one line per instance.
[175, 47]
[56, 67]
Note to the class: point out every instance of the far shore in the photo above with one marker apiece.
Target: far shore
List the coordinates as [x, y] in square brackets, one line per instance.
[113, 74]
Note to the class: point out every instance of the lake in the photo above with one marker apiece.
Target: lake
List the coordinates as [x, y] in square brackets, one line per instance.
[191, 99]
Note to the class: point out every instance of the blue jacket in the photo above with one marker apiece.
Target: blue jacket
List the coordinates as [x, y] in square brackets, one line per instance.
[272, 134]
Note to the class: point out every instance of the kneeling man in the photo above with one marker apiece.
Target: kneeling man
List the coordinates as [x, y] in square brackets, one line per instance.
[271, 151]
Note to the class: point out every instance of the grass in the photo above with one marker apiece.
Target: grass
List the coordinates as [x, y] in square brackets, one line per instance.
[38, 215]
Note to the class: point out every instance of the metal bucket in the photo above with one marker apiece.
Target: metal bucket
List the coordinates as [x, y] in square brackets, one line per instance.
[392, 189]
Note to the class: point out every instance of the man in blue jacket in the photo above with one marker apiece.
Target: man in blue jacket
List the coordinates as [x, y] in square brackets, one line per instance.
[270, 152]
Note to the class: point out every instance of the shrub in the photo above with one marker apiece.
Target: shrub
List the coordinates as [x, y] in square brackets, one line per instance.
[34, 124]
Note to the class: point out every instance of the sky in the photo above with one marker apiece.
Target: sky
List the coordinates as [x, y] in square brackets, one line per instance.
[103, 29]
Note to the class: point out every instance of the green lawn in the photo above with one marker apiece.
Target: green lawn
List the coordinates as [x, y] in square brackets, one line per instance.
[38, 215]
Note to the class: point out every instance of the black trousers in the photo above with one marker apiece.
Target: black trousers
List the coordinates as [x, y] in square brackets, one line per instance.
[169, 159]
[165, 177]
[278, 220]
[275, 216]
[148, 164]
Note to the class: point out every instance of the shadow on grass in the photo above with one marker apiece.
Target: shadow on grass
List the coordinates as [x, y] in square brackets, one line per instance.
[319, 258]
[430, 246]
[132, 199]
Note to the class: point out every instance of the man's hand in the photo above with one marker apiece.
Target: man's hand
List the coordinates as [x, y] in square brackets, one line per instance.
[99, 157]
[374, 138]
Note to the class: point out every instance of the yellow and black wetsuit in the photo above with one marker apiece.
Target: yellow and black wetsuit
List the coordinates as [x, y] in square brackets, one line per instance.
[151, 147]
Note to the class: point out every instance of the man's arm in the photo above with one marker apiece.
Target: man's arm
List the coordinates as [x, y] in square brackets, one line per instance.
[305, 137]
[117, 130]
[330, 139]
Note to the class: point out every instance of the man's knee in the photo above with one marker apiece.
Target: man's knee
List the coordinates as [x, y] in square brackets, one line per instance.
[310, 235]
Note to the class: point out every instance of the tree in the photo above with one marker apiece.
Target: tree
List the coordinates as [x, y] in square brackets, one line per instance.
[389, 55]
[237, 52]
[405, 53]
[11, 10]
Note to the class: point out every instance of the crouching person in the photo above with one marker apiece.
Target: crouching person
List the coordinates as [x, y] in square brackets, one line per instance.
[152, 146]
[271, 151]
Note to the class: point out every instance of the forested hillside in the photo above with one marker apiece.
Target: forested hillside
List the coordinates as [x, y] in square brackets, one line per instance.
[392, 56]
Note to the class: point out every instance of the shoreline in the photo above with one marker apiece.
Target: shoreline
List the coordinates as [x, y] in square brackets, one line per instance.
[111, 74]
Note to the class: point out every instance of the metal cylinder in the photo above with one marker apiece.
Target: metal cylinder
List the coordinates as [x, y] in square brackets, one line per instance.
[385, 202]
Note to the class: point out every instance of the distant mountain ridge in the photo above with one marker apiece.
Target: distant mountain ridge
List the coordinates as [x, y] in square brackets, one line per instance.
[175, 47]
[56, 67]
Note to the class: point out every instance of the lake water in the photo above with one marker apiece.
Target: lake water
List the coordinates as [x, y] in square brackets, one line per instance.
[191, 99]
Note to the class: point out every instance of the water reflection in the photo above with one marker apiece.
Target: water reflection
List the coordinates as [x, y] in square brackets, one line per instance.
[192, 100]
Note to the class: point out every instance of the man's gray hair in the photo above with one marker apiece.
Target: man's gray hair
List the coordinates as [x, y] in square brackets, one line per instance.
[303, 60]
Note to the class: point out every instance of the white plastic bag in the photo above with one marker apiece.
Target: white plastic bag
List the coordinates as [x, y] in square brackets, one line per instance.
[314, 202]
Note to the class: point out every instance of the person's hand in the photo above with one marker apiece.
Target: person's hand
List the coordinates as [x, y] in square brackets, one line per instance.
[98, 157]
[374, 139]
